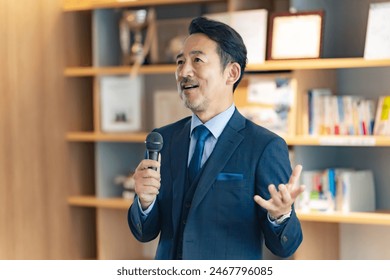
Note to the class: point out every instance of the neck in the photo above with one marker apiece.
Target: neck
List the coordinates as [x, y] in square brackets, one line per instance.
[207, 115]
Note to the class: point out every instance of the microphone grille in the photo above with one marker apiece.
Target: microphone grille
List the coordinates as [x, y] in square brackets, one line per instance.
[154, 142]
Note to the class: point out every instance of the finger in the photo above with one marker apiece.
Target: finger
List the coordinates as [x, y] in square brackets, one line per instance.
[297, 191]
[149, 177]
[151, 182]
[150, 190]
[147, 164]
[295, 175]
[275, 195]
[147, 189]
[284, 194]
[262, 202]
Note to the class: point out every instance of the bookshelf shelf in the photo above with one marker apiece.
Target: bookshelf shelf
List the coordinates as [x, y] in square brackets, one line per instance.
[322, 63]
[77, 5]
[119, 70]
[351, 141]
[93, 201]
[375, 218]
[139, 137]
[282, 65]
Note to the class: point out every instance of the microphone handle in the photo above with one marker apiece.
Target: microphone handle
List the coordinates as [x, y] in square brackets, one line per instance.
[153, 155]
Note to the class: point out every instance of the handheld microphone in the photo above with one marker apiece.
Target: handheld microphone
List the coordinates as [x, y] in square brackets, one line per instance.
[154, 144]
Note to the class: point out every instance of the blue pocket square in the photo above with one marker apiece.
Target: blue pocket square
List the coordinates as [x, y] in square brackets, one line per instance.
[230, 177]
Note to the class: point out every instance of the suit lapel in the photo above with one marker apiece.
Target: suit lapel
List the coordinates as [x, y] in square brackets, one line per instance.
[179, 147]
[225, 147]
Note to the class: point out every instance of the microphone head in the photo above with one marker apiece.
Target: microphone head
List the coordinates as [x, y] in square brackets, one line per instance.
[154, 142]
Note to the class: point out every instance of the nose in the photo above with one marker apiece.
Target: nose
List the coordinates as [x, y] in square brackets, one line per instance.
[185, 70]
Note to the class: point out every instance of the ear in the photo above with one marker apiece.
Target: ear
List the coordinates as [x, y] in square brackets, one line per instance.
[233, 73]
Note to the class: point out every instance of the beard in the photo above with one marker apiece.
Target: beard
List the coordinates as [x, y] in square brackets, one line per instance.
[200, 104]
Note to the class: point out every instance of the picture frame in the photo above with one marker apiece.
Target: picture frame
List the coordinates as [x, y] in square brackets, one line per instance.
[377, 43]
[295, 35]
[121, 103]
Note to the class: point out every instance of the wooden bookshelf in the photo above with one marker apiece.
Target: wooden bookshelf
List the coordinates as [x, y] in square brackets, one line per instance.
[106, 137]
[81, 5]
[93, 201]
[322, 63]
[350, 141]
[118, 70]
[374, 218]
[309, 73]
[139, 137]
[282, 65]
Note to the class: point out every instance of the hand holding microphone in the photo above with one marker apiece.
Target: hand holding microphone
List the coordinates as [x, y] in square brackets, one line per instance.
[147, 174]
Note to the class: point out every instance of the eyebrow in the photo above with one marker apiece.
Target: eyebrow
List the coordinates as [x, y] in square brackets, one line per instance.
[191, 53]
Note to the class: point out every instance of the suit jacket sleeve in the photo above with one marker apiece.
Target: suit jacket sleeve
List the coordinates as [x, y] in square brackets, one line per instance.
[147, 229]
[274, 168]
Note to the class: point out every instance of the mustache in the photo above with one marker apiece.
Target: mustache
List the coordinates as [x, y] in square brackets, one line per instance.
[187, 80]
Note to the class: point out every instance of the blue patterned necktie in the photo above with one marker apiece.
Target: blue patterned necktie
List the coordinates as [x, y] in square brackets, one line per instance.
[201, 134]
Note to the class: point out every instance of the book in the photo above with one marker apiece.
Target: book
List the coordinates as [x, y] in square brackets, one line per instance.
[337, 189]
[356, 191]
[316, 109]
[313, 198]
[382, 118]
[339, 114]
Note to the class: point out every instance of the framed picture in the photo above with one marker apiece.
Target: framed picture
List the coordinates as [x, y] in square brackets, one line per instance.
[295, 35]
[377, 45]
[121, 103]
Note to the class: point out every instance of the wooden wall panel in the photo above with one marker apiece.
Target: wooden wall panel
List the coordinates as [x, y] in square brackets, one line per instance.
[35, 220]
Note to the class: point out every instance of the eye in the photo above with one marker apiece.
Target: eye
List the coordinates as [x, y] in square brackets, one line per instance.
[179, 62]
[197, 59]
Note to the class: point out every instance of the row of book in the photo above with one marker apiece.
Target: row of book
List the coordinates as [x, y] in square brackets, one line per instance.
[330, 114]
[337, 189]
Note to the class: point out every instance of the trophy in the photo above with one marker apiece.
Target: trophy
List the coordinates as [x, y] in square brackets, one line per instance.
[131, 27]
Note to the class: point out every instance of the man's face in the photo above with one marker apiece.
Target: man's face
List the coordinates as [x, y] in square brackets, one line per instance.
[201, 82]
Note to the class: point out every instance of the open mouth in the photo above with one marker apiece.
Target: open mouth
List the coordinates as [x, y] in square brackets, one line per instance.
[186, 87]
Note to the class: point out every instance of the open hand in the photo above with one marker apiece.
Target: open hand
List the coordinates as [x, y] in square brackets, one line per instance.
[282, 198]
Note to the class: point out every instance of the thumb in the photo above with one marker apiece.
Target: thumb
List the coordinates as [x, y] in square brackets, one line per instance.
[261, 201]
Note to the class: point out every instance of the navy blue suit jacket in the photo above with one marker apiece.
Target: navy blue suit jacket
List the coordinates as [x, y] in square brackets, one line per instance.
[224, 222]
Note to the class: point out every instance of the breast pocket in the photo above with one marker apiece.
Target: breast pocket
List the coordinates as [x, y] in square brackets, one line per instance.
[230, 177]
[229, 195]
[229, 182]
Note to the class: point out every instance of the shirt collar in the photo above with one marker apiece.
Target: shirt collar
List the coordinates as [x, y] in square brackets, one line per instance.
[216, 124]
